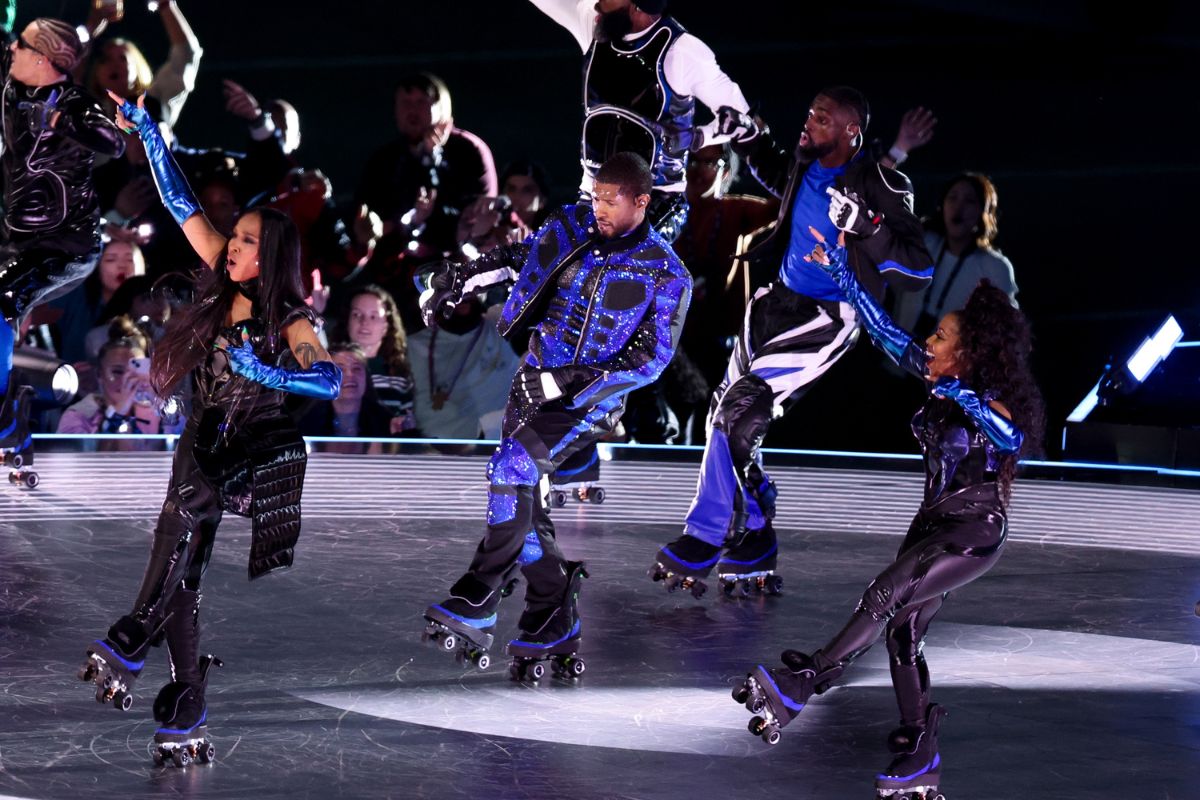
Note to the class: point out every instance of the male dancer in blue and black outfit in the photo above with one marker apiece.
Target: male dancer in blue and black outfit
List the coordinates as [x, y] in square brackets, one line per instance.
[605, 297]
[796, 328]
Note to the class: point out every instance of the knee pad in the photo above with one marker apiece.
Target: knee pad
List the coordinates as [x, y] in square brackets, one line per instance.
[880, 600]
[531, 551]
[512, 466]
[743, 416]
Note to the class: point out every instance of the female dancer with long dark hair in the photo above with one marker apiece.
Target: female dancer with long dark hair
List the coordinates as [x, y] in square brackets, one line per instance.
[983, 411]
[240, 451]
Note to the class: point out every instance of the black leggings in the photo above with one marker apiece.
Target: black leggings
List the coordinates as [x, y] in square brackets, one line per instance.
[947, 546]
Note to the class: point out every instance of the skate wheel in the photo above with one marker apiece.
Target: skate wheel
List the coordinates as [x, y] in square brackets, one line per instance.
[698, 589]
[576, 667]
[744, 588]
[16, 460]
[123, 701]
[558, 499]
[536, 671]
[32, 480]
[741, 693]
[483, 660]
[449, 642]
[774, 584]
[771, 734]
[208, 753]
[756, 725]
[87, 673]
[514, 672]
[596, 495]
[14, 478]
[177, 759]
[726, 587]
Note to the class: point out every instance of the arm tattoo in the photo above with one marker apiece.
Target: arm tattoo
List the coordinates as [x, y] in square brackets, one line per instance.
[305, 354]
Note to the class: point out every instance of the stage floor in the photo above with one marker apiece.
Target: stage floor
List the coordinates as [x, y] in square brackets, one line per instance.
[1070, 671]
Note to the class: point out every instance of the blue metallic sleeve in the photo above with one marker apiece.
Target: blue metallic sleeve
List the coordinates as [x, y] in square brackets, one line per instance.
[887, 336]
[323, 380]
[176, 195]
[649, 350]
[995, 426]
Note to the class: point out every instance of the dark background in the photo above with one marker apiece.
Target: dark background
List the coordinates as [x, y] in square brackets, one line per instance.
[1083, 113]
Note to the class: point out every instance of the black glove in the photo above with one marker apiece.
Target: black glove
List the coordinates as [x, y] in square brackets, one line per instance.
[41, 113]
[441, 288]
[848, 212]
[738, 125]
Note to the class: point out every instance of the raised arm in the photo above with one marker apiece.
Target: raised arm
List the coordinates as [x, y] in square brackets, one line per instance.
[176, 195]
[577, 16]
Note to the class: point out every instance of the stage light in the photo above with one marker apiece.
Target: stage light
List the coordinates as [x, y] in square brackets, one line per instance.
[1128, 376]
[54, 381]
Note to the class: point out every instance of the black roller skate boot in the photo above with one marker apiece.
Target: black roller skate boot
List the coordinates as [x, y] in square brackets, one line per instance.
[16, 441]
[462, 623]
[777, 696]
[180, 706]
[683, 564]
[551, 634]
[115, 662]
[749, 564]
[915, 771]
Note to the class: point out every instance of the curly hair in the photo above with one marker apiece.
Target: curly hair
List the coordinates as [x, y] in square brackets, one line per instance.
[394, 349]
[995, 344]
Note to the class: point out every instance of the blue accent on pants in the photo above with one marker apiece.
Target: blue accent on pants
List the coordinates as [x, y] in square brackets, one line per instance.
[709, 517]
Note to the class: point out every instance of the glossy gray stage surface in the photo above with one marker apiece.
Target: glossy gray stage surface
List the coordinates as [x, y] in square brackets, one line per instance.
[1070, 671]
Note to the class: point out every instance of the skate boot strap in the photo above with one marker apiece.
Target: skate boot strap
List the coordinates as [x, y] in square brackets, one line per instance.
[206, 662]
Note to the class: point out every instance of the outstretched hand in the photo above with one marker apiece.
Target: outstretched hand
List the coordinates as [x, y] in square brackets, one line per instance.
[129, 116]
[819, 255]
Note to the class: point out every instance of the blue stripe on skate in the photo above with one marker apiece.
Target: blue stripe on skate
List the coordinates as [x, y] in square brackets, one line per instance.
[185, 731]
[540, 646]
[787, 701]
[132, 666]
[937, 759]
[774, 549]
[478, 624]
[692, 564]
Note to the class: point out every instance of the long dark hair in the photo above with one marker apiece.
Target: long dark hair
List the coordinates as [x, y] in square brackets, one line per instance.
[996, 342]
[190, 333]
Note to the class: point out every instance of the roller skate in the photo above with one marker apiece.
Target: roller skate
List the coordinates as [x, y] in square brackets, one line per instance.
[683, 564]
[462, 624]
[777, 696]
[915, 771]
[578, 478]
[16, 442]
[749, 565]
[551, 634]
[115, 662]
[180, 707]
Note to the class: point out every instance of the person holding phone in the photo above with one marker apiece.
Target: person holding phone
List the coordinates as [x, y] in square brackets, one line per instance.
[126, 402]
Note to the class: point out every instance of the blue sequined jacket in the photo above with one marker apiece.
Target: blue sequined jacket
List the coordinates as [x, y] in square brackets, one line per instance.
[609, 310]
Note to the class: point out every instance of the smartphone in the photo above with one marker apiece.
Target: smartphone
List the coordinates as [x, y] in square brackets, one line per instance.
[139, 365]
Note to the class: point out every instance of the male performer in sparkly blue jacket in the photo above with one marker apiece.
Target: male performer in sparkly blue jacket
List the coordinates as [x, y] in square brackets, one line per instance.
[604, 298]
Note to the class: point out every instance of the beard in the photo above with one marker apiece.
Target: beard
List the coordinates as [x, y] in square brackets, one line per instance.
[811, 152]
[614, 25]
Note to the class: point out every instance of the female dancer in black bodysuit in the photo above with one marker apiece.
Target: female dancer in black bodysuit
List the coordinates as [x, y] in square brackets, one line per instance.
[983, 411]
[240, 451]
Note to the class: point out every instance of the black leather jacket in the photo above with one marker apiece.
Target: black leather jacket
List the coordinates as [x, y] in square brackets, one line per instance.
[48, 192]
[900, 241]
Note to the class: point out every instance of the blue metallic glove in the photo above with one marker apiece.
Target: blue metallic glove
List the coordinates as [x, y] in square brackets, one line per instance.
[41, 112]
[323, 380]
[887, 336]
[997, 427]
[176, 195]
